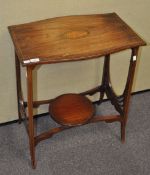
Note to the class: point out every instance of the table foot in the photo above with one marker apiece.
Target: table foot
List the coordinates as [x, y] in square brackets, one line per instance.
[20, 120]
[123, 127]
[33, 164]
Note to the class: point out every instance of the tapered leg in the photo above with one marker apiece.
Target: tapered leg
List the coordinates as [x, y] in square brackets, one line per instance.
[123, 131]
[30, 114]
[18, 84]
[127, 91]
[105, 77]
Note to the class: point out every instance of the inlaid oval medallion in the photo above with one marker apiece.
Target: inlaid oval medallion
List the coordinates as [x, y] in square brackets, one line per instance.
[76, 34]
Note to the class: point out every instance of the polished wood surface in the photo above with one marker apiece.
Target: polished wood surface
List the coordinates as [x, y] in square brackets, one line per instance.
[71, 109]
[72, 38]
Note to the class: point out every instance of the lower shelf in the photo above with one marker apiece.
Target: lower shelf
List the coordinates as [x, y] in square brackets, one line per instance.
[71, 109]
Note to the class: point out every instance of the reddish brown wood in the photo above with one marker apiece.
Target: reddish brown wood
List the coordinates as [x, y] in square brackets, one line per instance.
[53, 131]
[123, 131]
[73, 38]
[38, 103]
[105, 77]
[18, 85]
[109, 118]
[30, 114]
[71, 109]
[49, 133]
[129, 82]
[90, 92]
[20, 100]
[127, 91]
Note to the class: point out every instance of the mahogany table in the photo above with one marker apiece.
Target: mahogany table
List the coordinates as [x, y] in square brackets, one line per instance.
[73, 38]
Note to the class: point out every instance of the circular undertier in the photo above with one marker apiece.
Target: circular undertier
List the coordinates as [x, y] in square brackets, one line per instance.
[71, 109]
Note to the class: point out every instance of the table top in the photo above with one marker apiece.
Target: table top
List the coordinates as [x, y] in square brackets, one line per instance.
[72, 38]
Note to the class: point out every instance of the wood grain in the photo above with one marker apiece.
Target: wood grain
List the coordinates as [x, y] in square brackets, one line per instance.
[71, 109]
[72, 38]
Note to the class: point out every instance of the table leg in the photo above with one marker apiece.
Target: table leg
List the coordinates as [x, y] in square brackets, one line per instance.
[30, 114]
[18, 84]
[127, 91]
[105, 77]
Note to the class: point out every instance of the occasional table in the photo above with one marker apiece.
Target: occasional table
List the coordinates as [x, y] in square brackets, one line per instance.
[73, 38]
